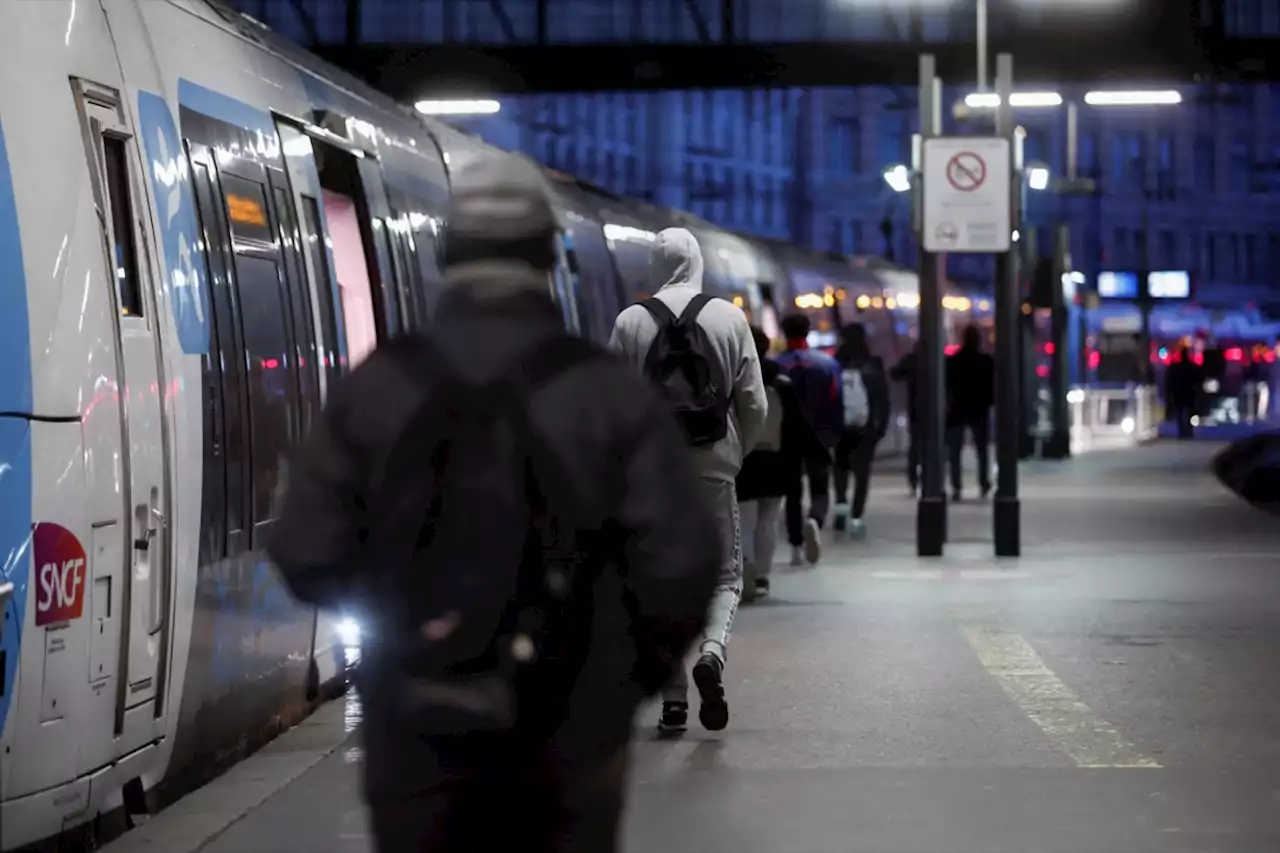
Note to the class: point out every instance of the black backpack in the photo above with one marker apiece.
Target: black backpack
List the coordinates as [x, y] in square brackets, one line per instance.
[685, 366]
[477, 548]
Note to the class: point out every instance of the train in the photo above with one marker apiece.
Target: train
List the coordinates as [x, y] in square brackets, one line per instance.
[202, 228]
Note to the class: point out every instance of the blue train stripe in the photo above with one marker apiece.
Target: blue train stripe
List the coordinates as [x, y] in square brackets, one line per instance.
[179, 231]
[15, 435]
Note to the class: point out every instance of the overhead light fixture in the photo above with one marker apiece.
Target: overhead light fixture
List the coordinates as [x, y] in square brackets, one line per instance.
[458, 108]
[1038, 177]
[898, 178]
[1134, 98]
[991, 100]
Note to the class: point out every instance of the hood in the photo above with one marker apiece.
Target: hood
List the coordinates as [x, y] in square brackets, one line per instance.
[676, 260]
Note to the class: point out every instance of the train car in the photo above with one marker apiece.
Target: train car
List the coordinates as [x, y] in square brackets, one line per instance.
[202, 227]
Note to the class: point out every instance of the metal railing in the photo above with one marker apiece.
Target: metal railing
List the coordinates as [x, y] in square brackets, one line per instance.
[1103, 418]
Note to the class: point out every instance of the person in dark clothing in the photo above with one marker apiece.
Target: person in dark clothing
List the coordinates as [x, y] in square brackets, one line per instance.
[863, 430]
[552, 773]
[905, 371]
[971, 379]
[773, 469]
[816, 378]
[1183, 379]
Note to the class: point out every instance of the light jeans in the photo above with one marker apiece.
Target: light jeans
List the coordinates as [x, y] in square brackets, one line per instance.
[760, 534]
[722, 499]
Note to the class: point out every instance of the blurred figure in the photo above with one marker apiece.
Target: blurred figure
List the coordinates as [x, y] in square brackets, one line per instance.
[1182, 384]
[971, 380]
[816, 377]
[865, 397]
[515, 518]
[698, 350]
[774, 468]
[905, 371]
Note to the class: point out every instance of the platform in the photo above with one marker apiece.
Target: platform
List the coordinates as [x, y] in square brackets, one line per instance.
[1116, 689]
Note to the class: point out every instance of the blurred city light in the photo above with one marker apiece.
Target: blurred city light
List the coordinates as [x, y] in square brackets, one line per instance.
[1133, 98]
[990, 100]
[898, 178]
[458, 108]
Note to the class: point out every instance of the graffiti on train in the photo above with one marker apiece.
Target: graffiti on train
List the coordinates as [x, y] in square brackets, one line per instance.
[60, 574]
[257, 626]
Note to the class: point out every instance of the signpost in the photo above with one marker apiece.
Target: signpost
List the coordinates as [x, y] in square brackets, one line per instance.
[968, 194]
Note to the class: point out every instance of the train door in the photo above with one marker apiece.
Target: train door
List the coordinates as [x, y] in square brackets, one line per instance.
[141, 537]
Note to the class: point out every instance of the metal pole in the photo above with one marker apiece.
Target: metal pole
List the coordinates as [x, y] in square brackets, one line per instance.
[982, 45]
[1059, 443]
[931, 510]
[1007, 511]
[1144, 295]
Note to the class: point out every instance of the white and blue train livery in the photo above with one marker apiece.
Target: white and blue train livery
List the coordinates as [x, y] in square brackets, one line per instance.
[201, 228]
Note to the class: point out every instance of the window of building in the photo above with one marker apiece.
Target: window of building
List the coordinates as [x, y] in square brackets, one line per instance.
[1169, 250]
[1166, 166]
[1204, 164]
[1232, 252]
[1120, 247]
[1211, 256]
[1240, 165]
[1252, 262]
[1273, 257]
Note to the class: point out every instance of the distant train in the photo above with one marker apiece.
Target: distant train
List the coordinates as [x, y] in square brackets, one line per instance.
[201, 228]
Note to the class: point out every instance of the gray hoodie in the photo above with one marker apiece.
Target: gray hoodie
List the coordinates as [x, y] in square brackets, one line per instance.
[675, 268]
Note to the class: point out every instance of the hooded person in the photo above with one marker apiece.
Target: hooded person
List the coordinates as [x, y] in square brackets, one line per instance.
[676, 269]
[514, 516]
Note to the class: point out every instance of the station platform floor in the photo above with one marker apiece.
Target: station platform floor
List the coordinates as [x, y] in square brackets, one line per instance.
[1114, 690]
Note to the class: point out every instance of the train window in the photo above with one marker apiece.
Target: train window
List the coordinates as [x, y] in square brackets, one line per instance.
[314, 245]
[303, 320]
[246, 209]
[226, 448]
[115, 155]
[272, 393]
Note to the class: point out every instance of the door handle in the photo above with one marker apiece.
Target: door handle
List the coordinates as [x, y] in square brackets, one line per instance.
[144, 543]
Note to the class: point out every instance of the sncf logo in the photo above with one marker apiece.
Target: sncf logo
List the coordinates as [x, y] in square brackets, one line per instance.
[60, 574]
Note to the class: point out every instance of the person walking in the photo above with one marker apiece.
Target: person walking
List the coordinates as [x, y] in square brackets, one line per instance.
[906, 372]
[970, 375]
[698, 351]
[773, 469]
[816, 378]
[1183, 380]
[514, 516]
[865, 397]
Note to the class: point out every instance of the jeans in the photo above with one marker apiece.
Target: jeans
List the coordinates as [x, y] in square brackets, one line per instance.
[980, 429]
[760, 534]
[819, 500]
[854, 455]
[722, 497]
[550, 804]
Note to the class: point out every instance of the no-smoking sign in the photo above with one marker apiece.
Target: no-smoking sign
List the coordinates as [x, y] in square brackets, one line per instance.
[967, 194]
[966, 171]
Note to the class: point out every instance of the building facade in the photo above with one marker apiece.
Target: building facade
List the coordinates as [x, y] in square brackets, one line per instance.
[1194, 186]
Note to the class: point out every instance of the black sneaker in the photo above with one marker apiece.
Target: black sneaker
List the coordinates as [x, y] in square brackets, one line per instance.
[675, 717]
[762, 587]
[714, 713]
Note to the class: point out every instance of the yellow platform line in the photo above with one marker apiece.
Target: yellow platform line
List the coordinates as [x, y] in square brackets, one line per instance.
[1070, 724]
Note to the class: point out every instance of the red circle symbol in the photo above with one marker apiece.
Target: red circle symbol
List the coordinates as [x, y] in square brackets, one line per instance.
[966, 171]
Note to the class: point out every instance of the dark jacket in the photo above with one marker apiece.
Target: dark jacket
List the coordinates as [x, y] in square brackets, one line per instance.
[620, 447]
[771, 473]
[876, 381]
[1183, 380]
[906, 371]
[971, 386]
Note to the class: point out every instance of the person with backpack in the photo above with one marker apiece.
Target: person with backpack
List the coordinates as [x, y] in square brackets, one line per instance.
[816, 377]
[771, 471]
[865, 396]
[698, 351]
[514, 517]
